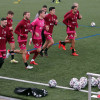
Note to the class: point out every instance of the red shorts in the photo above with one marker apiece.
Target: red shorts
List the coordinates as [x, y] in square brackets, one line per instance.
[11, 40]
[22, 45]
[3, 54]
[71, 32]
[37, 43]
[48, 35]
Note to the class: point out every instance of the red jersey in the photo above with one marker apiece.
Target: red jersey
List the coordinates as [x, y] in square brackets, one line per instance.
[9, 22]
[23, 28]
[71, 20]
[69, 12]
[50, 21]
[4, 35]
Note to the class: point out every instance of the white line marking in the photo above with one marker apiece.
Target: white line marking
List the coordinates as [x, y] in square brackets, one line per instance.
[38, 83]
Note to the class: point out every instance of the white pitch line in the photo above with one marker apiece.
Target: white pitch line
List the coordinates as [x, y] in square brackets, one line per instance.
[38, 83]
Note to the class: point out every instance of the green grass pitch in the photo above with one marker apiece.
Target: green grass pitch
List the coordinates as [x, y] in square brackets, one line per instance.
[60, 65]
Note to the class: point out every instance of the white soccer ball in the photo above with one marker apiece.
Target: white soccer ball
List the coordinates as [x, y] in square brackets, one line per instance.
[77, 85]
[94, 82]
[52, 83]
[73, 80]
[99, 85]
[83, 81]
[93, 24]
[98, 80]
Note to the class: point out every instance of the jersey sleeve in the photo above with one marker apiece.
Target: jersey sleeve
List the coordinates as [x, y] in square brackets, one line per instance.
[56, 19]
[17, 29]
[34, 23]
[65, 21]
[78, 17]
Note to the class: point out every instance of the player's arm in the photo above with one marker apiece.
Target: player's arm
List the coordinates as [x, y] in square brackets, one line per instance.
[65, 21]
[79, 16]
[18, 30]
[56, 21]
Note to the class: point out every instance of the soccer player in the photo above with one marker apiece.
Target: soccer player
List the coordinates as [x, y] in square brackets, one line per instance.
[50, 21]
[38, 26]
[71, 22]
[22, 30]
[11, 40]
[4, 35]
[37, 15]
[79, 17]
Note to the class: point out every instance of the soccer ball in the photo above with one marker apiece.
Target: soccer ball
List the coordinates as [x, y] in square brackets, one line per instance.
[77, 85]
[83, 81]
[93, 24]
[99, 85]
[73, 80]
[94, 82]
[98, 80]
[52, 83]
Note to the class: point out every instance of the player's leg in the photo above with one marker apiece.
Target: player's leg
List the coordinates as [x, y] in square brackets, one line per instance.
[73, 48]
[43, 37]
[63, 43]
[1, 60]
[53, 0]
[44, 46]
[12, 45]
[51, 42]
[37, 51]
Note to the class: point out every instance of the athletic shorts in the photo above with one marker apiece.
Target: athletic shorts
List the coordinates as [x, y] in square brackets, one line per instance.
[22, 45]
[3, 54]
[37, 43]
[71, 33]
[48, 35]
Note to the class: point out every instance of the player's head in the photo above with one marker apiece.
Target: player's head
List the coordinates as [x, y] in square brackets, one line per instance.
[75, 4]
[52, 10]
[41, 13]
[74, 8]
[3, 22]
[26, 15]
[10, 14]
[44, 8]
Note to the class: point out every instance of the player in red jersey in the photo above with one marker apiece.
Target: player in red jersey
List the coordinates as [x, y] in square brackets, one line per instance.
[4, 36]
[22, 30]
[50, 21]
[11, 40]
[38, 26]
[79, 17]
[71, 22]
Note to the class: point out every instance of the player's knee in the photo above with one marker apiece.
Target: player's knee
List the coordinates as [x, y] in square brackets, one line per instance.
[52, 42]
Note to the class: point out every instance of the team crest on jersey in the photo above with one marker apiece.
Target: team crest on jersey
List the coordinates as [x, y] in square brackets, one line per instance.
[49, 19]
[4, 32]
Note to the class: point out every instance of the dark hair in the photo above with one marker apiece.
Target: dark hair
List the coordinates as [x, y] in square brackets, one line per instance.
[40, 11]
[10, 12]
[50, 9]
[73, 7]
[24, 13]
[44, 6]
[2, 19]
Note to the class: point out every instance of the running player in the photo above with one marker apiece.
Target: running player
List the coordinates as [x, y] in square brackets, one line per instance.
[50, 21]
[4, 35]
[71, 22]
[79, 17]
[37, 15]
[22, 30]
[11, 40]
[38, 26]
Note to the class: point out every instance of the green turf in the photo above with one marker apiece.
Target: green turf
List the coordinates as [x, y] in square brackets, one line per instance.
[60, 65]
